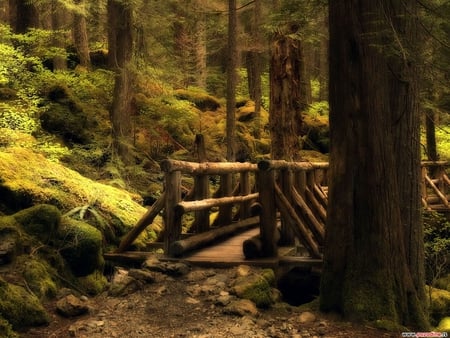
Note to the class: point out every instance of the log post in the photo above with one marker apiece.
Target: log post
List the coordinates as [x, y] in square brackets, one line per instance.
[245, 189]
[171, 220]
[424, 187]
[226, 189]
[268, 217]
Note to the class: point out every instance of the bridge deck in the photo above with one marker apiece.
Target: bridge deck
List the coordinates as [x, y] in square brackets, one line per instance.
[224, 254]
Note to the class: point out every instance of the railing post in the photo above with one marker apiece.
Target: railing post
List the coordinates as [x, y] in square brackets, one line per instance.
[172, 221]
[245, 189]
[201, 191]
[226, 189]
[268, 217]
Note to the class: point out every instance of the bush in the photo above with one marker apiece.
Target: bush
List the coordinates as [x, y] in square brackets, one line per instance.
[437, 246]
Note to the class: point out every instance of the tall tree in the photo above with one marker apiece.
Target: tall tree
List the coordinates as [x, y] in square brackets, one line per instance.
[24, 14]
[373, 256]
[254, 62]
[120, 41]
[79, 33]
[231, 80]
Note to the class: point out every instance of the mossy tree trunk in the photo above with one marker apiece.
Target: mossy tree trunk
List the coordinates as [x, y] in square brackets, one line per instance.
[373, 257]
[120, 42]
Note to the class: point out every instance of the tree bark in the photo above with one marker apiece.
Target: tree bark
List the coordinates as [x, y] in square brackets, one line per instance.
[120, 41]
[231, 81]
[373, 258]
[26, 15]
[286, 97]
[80, 36]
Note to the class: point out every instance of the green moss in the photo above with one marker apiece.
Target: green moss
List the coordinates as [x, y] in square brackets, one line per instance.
[444, 325]
[6, 330]
[81, 246]
[388, 325]
[39, 276]
[440, 305]
[94, 283]
[28, 178]
[41, 221]
[19, 307]
[257, 288]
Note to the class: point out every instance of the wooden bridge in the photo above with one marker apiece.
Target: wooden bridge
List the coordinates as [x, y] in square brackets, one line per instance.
[269, 213]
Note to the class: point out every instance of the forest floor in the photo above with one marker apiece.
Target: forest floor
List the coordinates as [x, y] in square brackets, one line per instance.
[196, 304]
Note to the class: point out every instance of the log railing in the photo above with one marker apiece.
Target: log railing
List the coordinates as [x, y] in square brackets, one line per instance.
[287, 199]
[225, 198]
[435, 185]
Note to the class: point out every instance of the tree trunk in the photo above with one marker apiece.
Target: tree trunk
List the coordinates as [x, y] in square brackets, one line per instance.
[231, 81]
[58, 20]
[254, 64]
[80, 37]
[430, 128]
[373, 258]
[286, 97]
[26, 15]
[120, 38]
[200, 51]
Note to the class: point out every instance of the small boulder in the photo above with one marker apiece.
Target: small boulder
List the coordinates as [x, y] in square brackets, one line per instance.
[241, 307]
[306, 317]
[71, 306]
[41, 221]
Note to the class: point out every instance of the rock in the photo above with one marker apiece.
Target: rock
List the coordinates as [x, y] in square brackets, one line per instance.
[243, 270]
[306, 317]
[256, 287]
[71, 306]
[142, 275]
[41, 221]
[171, 269]
[124, 286]
[241, 307]
[81, 245]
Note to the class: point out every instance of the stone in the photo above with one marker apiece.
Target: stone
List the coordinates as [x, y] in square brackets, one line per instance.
[241, 307]
[142, 275]
[71, 306]
[306, 317]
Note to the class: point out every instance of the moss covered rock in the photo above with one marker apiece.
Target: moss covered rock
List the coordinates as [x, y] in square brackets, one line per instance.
[256, 287]
[440, 305]
[27, 179]
[81, 246]
[94, 283]
[19, 307]
[41, 221]
[40, 276]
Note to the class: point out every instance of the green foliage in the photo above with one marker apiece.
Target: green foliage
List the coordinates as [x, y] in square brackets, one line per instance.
[39, 276]
[437, 246]
[6, 330]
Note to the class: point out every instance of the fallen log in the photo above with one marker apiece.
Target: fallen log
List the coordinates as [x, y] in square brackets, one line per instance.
[180, 247]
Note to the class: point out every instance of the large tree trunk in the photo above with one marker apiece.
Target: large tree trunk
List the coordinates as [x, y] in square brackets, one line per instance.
[373, 258]
[80, 36]
[287, 97]
[120, 22]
